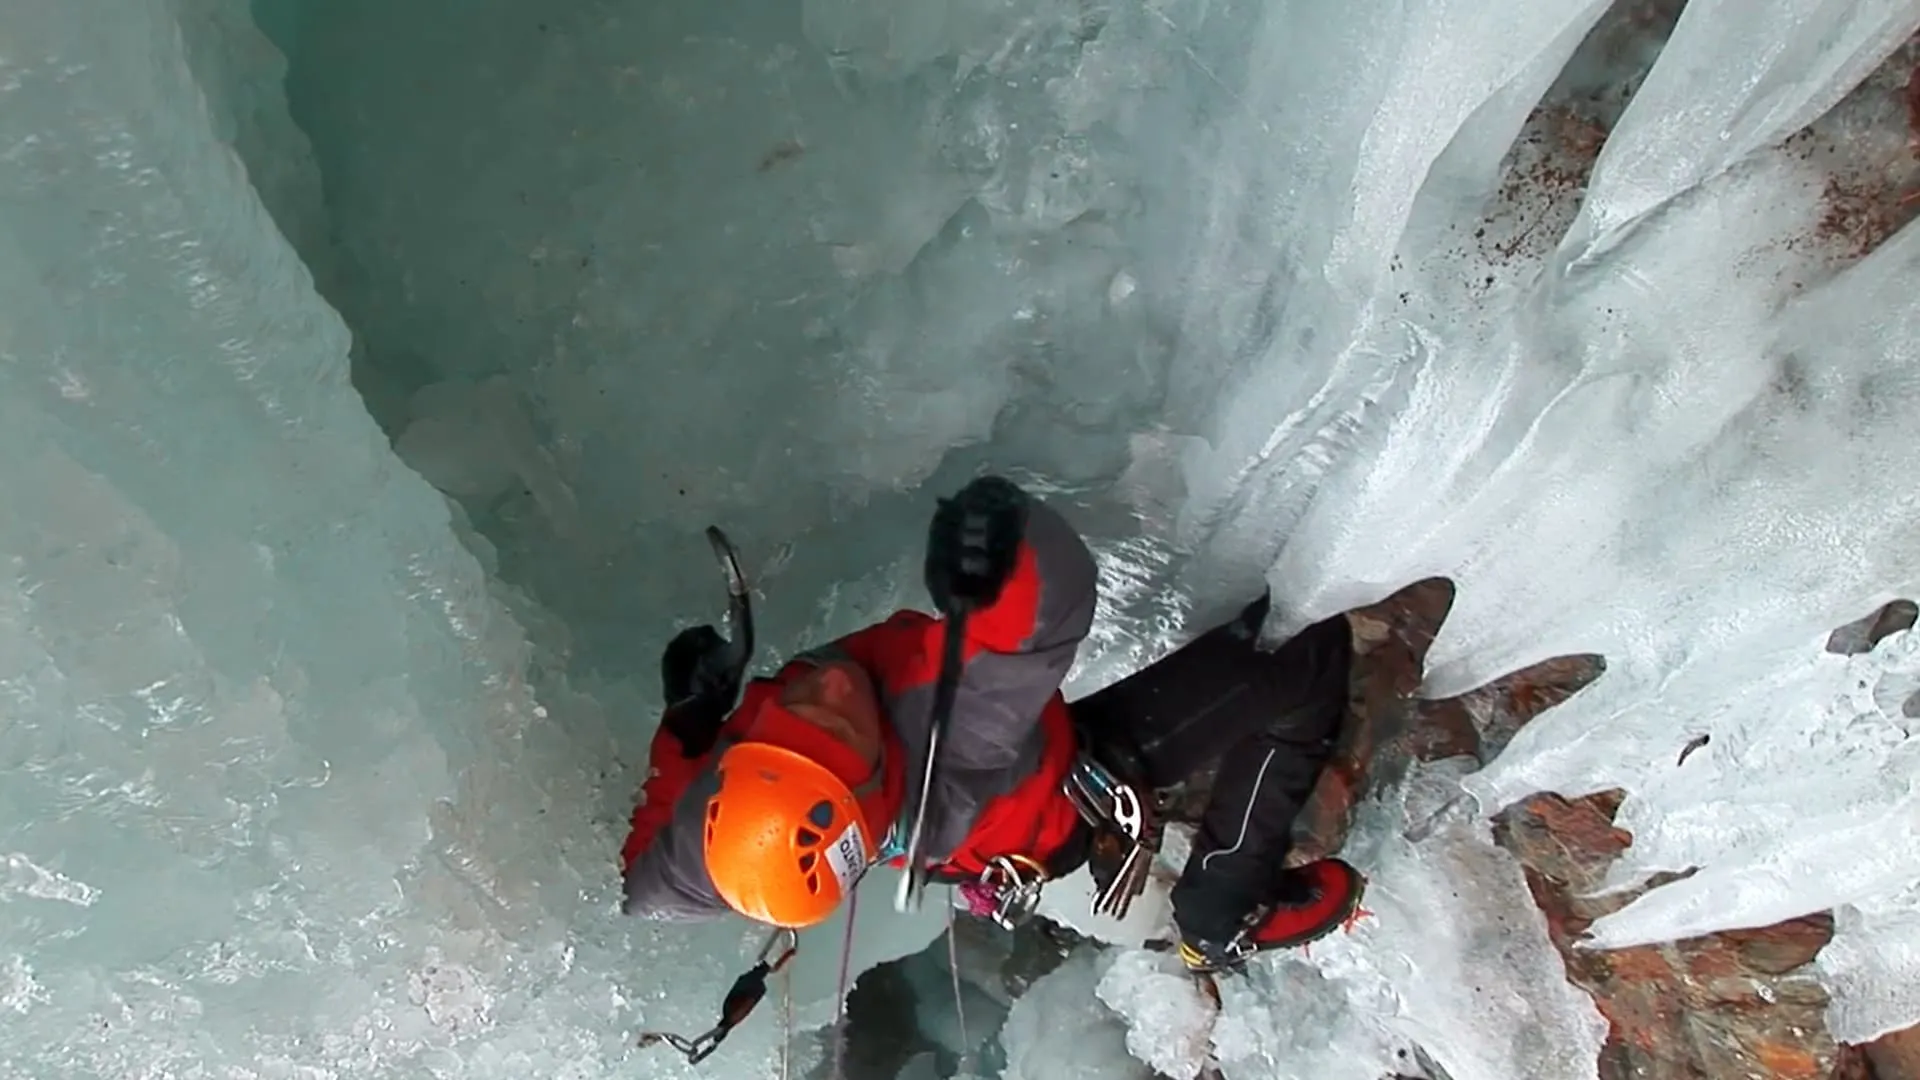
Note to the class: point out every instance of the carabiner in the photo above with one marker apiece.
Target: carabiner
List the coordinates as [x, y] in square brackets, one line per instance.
[746, 992]
[766, 950]
[1016, 891]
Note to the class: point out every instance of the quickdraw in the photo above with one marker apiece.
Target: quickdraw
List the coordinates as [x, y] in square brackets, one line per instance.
[1126, 835]
[747, 992]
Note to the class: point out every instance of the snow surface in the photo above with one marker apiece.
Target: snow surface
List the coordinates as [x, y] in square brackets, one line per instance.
[309, 772]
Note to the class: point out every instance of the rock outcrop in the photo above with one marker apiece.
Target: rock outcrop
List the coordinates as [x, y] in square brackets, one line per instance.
[1741, 1004]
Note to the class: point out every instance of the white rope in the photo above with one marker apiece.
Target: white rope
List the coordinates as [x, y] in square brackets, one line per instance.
[786, 1022]
[840, 997]
[959, 1003]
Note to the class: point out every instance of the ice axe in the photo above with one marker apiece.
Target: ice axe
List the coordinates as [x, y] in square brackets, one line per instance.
[979, 531]
[701, 672]
[739, 604]
[913, 884]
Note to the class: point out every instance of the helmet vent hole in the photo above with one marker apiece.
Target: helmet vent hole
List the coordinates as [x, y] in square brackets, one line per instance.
[821, 814]
[813, 884]
[713, 811]
[807, 861]
[807, 838]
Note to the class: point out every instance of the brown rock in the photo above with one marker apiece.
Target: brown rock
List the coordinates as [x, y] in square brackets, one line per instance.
[1786, 1060]
[1853, 1065]
[1780, 949]
[1498, 710]
[1390, 645]
[1724, 1005]
[1862, 634]
[1896, 1056]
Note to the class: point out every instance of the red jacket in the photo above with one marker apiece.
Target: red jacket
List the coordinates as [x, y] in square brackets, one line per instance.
[1008, 746]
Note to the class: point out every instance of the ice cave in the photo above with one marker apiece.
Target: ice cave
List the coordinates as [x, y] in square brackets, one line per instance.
[370, 369]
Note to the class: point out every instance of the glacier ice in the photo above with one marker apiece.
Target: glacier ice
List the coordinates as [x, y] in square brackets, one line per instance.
[279, 795]
[1761, 400]
[1169, 1018]
[311, 772]
[1736, 77]
[1872, 965]
[1061, 1030]
[1449, 966]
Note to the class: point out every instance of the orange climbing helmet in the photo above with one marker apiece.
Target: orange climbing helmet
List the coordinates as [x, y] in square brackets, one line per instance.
[784, 838]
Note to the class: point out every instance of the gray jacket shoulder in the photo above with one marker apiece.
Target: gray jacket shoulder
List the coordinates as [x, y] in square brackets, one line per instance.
[669, 881]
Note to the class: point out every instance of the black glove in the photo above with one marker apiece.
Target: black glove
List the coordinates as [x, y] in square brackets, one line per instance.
[974, 543]
[695, 665]
[696, 723]
[700, 688]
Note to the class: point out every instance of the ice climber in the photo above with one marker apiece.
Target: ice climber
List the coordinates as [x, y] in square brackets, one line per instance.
[775, 807]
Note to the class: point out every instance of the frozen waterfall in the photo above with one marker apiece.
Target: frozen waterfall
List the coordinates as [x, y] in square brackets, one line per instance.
[369, 370]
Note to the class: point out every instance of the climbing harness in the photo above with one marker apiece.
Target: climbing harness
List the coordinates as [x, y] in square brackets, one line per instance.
[1126, 836]
[747, 991]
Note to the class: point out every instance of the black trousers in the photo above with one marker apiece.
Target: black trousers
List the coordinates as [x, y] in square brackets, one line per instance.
[1268, 719]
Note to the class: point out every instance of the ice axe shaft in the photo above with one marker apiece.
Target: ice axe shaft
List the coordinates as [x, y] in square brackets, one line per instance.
[913, 884]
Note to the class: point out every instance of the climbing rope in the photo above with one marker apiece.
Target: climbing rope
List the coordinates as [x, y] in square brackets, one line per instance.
[786, 1024]
[959, 1004]
[840, 994]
